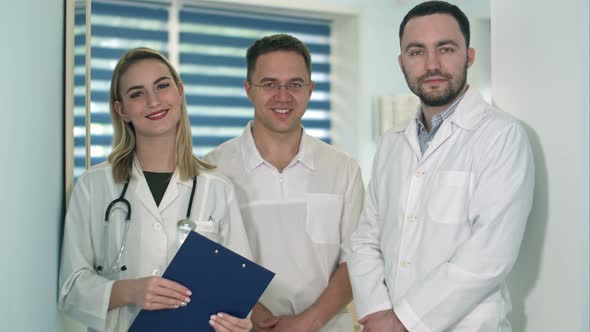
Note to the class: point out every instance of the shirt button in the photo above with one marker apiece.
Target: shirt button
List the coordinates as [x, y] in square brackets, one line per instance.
[411, 218]
[428, 143]
[156, 273]
[420, 172]
[405, 264]
[157, 226]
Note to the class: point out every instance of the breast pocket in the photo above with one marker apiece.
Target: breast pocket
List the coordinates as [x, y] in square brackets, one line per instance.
[209, 229]
[323, 218]
[449, 197]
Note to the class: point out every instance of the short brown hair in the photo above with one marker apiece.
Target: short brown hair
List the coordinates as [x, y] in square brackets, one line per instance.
[272, 43]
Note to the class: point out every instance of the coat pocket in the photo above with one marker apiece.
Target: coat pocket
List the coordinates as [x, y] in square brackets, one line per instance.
[209, 229]
[449, 197]
[322, 223]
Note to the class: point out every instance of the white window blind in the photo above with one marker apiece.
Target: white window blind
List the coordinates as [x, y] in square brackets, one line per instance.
[115, 28]
[211, 48]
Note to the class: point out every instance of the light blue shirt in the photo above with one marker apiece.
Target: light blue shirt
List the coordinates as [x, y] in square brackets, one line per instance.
[426, 137]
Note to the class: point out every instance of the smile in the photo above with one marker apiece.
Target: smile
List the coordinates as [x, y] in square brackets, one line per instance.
[281, 111]
[157, 115]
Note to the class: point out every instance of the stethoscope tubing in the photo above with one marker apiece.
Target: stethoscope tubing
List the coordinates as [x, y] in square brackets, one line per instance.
[114, 265]
[105, 237]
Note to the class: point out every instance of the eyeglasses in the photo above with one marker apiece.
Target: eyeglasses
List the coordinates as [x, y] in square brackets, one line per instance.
[270, 87]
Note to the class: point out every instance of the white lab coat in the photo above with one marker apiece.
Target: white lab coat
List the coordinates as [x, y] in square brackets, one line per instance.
[440, 232]
[299, 220]
[152, 240]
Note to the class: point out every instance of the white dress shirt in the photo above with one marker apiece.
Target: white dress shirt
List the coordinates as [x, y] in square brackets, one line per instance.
[441, 231]
[299, 220]
[152, 240]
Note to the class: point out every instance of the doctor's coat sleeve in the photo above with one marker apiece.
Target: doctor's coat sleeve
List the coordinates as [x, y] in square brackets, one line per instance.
[83, 294]
[232, 233]
[351, 210]
[365, 264]
[498, 210]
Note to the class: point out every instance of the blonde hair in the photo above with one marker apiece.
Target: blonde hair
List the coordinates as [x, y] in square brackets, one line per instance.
[121, 157]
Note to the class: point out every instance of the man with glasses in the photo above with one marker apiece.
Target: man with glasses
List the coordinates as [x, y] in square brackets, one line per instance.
[300, 198]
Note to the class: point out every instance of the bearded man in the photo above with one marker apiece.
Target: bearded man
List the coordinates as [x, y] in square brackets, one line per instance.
[450, 194]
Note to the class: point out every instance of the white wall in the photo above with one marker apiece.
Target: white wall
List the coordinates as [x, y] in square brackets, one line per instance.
[31, 195]
[585, 178]
[540, 74]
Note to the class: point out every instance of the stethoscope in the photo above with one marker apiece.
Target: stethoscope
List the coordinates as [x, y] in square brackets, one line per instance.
[184, 225]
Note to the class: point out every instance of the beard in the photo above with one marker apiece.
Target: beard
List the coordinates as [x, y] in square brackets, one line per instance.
[443, 96]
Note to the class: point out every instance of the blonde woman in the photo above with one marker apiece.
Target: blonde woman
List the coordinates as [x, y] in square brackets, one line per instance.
[109, 273]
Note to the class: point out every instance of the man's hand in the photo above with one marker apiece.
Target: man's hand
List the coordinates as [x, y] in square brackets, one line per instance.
[382, 321]
[262, 318]
[296, 323]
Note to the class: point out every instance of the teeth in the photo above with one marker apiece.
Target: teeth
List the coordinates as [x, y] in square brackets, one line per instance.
[281, 111]
[156, 114]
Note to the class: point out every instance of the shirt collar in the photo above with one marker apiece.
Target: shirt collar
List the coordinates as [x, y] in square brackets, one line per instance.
[250, 154]
[305, 154]
[253, 159]
[439, 118]
[467, 114]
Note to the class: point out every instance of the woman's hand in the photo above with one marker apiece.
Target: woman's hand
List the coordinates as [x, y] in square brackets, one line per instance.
[227, 323]
[150, 293]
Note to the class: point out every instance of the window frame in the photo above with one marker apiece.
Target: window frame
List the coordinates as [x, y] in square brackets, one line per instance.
[345, 40]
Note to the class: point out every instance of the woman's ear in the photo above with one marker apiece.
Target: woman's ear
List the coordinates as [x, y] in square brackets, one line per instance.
[119, 109]
[180, 87]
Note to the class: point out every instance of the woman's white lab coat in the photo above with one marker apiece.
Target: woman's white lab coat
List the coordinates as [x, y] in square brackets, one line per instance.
[152, 240]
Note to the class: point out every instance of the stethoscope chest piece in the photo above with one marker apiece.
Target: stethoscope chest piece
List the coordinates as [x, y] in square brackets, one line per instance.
[186, 225]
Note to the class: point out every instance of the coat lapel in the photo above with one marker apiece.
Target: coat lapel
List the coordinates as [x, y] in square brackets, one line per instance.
[443, 134]
[467, 116]
[172, 191]
[411, 134]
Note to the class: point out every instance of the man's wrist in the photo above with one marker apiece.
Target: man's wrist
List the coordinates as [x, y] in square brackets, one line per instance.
[260, 313]
[314, 318]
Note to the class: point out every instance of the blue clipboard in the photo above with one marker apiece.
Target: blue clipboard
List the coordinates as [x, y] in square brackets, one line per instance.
[220, 281]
